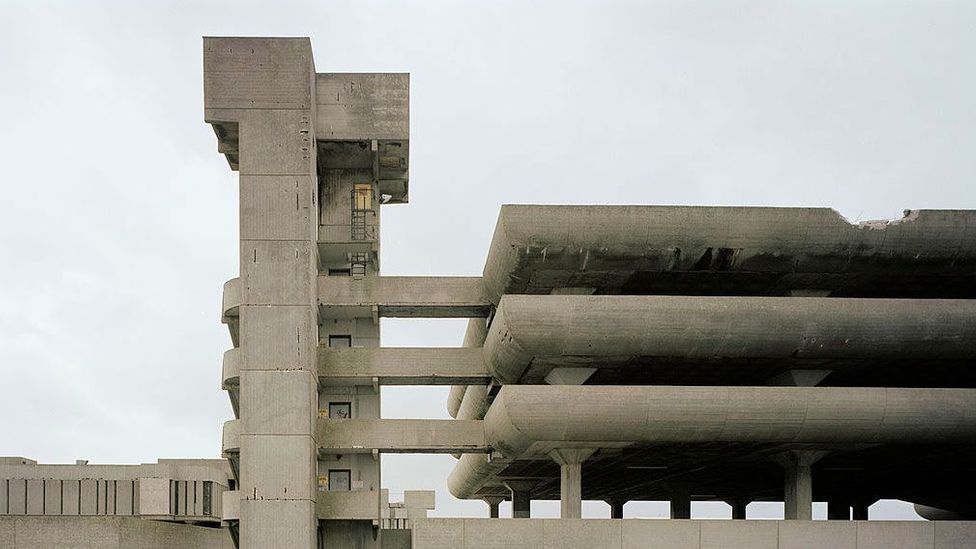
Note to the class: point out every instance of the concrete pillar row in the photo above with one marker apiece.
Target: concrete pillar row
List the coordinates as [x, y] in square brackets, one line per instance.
[493, 503]
[570, 462]
[798, 482]
[521, 497]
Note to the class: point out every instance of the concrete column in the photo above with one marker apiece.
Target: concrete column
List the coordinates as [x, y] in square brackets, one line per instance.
[616, 508]
[798, 482]
[264, 87]
[521, 497]
[838, 509]
[860, 510]
[680, 501]
[493, 503]
[738, 508]
[570, 462]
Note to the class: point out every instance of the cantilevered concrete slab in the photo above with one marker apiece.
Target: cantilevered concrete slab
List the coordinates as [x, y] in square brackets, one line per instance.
[530, 335]
[403, 296]
[705, 250]
[403, 366]
[419, 436]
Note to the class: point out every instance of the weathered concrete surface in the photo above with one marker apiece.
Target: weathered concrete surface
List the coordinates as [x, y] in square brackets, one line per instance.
[403, 296]
[529, 421]
[551, 331]
[402, 366]
[107, 533]
[351, 505]
[429, 436]
[704, 250]
[438, 533]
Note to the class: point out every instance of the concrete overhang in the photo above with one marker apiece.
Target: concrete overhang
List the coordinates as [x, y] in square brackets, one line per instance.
[403, 436]
[530, 335]
[402, 296]
[230, 377]
[704, 250]
[232, 298]
[231, 440]
[402, 366]
[527, 422]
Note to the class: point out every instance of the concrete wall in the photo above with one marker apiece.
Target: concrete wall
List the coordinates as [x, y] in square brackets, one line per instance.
[107, 533]
[688, 534]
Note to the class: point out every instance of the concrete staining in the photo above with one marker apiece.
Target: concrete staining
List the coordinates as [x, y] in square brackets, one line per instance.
[616, 353]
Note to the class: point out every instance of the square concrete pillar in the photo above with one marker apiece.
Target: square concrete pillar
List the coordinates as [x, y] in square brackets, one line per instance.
[570, 462]
[798, 482]
[521, 497]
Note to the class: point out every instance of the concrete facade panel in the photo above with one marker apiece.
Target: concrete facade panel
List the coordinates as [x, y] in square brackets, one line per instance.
[35, 497]
[291, 480]
[70, 497]
[276, 142]
[276, 207]
[659, 534]
[242, 73]
[124, 490]
[52, 497]
[807, 534]
[503, 534]
[955, 534]
[359, 106]
[895, 535]
[582, 534]
[276, 272]
[277, 338]
[89, 497]
[275, 404]
[277, 523]
[154, 496]
[754, 534]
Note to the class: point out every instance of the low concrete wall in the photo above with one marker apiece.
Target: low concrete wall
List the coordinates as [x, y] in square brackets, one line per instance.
[688, 534]
[107, 533]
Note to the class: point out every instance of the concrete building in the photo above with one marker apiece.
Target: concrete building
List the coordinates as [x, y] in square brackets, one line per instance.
[615, 353]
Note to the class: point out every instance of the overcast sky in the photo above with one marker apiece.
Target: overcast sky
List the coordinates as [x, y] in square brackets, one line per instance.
[119, 219]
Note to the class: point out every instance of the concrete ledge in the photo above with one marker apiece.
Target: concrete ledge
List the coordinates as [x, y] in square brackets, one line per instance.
[230, 308]
[231, 505]
[402, 366]
[431, 533]
[426, 436]
[402, 296]
[353, 505]
[230, 376]
[231, 441]
[107, 533]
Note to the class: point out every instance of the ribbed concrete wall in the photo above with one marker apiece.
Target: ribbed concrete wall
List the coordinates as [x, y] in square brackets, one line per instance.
[107, 533]
[688, 534]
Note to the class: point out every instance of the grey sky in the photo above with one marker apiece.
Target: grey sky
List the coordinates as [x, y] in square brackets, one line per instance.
[119, 218]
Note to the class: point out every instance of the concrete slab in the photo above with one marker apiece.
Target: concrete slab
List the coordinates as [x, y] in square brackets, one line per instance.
[752, 534]
[291, 480]
[278, 523]
[895, 535]
[275, 207]
[807, 534]
[955, 534]
[276, 272]
[503, 533]
[277, 338]
[660, 534]
[273, 400]
[582, 534]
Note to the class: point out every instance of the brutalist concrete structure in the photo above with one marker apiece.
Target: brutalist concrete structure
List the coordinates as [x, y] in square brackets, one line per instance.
[615, 353]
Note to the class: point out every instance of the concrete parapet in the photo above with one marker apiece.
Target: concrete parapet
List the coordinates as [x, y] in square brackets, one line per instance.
[403, 296]
[429, 436]
[402, 366]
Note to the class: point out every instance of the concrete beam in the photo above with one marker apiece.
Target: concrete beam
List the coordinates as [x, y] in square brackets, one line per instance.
[403, 436]
[537, 248]
[402, 296]
[402, 366]
[549, 331]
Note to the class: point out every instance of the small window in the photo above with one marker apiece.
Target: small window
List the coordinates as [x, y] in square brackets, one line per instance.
[340, 272]
[363, 196]
[340, 341]
[340, 410]
[208, 497]
[339, 480]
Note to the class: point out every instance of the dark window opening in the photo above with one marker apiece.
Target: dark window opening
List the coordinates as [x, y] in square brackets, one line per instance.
[340, 341]
[340, 272]
[340, 410]
[339, 480]
[207, 497]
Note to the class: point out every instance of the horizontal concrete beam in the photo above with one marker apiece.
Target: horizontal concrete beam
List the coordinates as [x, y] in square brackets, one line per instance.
[403, 296]
[403, 436]
[550, 331]
[537, 248]
[348, 505]
[402, 366]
